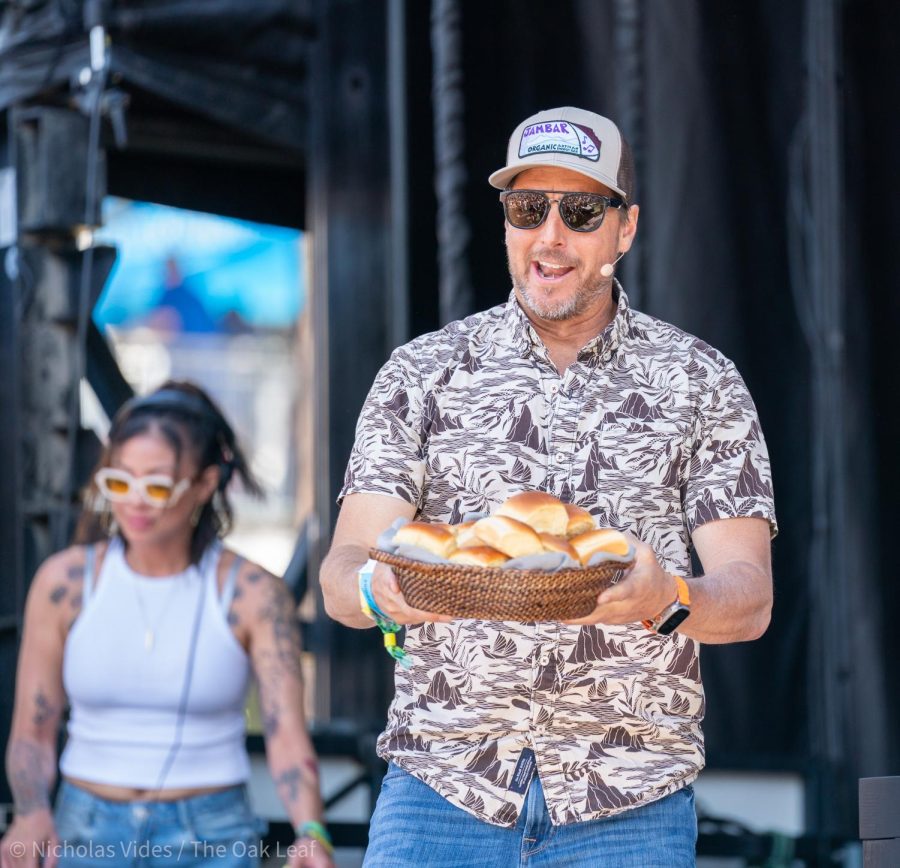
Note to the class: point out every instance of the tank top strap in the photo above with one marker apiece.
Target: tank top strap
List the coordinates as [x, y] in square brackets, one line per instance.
[230, 583]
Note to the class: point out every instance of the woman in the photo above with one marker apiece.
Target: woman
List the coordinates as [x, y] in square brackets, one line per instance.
[150, 630]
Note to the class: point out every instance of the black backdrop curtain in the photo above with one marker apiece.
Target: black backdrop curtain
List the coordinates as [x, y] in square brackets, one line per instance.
[715, 92]
[712, 93]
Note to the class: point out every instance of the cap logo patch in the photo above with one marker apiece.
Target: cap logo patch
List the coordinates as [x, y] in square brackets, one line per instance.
[560, 137]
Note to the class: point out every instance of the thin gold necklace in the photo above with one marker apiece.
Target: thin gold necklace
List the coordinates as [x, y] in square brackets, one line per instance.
[150, 629]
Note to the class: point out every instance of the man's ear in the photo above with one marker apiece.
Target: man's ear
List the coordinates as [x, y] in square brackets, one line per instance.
[628, 228]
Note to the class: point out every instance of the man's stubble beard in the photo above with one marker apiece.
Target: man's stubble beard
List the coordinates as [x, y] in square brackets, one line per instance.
[575, 305]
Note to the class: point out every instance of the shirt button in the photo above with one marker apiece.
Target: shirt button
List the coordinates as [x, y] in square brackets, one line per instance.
[560, 457]
[544, 659]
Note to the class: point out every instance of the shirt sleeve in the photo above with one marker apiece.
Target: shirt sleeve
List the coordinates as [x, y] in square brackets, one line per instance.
[387, 456]
[729, 474]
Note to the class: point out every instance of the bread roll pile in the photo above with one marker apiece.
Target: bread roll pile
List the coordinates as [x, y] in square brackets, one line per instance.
[530, 523]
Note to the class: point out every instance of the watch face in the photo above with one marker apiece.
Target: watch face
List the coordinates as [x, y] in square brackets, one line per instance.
[672, 622]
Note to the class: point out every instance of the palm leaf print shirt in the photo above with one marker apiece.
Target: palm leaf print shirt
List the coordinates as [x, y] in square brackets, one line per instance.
[650, 429]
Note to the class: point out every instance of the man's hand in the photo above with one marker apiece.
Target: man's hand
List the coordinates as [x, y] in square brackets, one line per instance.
[644, 591]
[389, 598]
[730, 602]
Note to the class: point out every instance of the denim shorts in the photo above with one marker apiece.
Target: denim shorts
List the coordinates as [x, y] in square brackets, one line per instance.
[213, 829]
[414, 827]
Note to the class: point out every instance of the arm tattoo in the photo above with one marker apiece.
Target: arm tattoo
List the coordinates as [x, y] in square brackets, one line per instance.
[58, 594]
[288, 784]
[233, 619]
[269, 718]
[278, 610]
[44, 710]
[31, 770]
[279, 663]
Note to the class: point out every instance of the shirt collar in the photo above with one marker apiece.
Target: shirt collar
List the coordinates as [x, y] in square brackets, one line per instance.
[517, 327]
[599, 349]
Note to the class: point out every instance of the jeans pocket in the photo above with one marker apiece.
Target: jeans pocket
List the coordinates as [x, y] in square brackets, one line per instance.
[74, 815]
[229, 819]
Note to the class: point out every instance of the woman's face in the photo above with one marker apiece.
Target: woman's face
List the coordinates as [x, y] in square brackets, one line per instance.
[150, 457]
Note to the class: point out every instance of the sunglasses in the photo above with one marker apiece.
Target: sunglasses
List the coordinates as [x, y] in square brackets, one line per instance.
[155, 489]
[581, 212]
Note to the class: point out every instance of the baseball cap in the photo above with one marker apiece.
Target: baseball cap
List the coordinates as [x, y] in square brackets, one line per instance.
[570, 138]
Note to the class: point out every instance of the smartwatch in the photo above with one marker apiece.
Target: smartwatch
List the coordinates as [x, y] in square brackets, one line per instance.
[674, 614]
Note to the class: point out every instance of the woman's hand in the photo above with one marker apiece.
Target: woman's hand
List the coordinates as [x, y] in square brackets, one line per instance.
[308, 853]
[30, 841]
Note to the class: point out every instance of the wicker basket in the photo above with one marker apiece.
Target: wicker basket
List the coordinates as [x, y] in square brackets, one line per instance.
[489, 593]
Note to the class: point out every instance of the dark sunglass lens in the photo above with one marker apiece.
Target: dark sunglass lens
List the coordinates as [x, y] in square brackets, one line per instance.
[583, 213]
[525, 210]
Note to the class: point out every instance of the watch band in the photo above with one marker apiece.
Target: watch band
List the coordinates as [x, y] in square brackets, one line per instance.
[674, 614]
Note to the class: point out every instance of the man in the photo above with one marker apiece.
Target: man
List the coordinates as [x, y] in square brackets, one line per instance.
[547, 743]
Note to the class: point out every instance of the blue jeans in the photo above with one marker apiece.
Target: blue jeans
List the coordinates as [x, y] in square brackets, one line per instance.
[214, 829]
[414, 827]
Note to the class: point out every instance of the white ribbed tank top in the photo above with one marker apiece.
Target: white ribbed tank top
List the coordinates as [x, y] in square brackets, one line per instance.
[125, 698]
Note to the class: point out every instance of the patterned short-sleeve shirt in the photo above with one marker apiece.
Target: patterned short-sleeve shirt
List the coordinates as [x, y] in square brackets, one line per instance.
[650, 429]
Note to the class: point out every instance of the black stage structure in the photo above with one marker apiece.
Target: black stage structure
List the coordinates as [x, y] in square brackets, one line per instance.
[768, 187]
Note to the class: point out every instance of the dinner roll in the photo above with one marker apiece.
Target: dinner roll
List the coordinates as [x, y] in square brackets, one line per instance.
[434, 538]
[465, 534]
[602, 540]
[558, 544]
[539, 510]
[580, 520]
[509, 536]
[478, 556]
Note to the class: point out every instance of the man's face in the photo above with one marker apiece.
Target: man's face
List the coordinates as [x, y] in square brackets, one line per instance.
[555, 270]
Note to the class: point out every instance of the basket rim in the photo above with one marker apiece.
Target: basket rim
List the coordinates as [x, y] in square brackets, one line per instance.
[618, 562]
[492, 593]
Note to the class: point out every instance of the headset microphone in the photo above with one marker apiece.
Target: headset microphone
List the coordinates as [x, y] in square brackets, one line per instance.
[608, 269]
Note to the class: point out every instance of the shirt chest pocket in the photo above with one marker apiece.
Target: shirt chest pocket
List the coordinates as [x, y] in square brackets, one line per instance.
[638, 458]
[479, 454]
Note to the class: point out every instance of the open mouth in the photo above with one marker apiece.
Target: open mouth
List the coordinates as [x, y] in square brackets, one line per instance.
[549, 270]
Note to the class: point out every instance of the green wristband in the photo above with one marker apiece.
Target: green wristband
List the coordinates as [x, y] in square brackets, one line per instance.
[317, 832]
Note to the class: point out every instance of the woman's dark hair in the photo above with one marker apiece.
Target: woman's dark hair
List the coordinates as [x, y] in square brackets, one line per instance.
[190, 422]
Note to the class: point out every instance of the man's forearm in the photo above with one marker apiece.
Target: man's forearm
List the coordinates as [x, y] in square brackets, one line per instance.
[730, 604]
[340, 585]
[31, 770]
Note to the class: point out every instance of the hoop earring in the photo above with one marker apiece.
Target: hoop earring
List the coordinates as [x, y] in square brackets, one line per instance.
[222, 519]
[108, 522]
